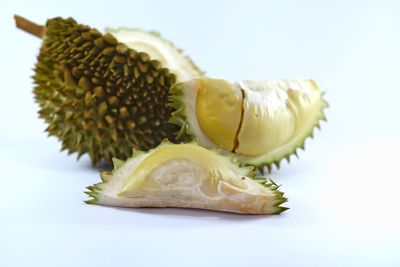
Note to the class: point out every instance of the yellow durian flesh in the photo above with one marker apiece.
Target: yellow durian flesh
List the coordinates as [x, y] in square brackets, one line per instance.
[277, 115]
[219, 111]
[215, 166]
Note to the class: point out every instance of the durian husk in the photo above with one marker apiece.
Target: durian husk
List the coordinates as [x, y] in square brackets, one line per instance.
[97, 95]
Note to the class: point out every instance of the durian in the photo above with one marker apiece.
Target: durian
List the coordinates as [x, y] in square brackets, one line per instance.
[99, 96]
[262, 122]
[187, 176]
[102, 97]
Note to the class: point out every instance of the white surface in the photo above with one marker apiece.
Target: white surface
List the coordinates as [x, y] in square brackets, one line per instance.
[344, 190]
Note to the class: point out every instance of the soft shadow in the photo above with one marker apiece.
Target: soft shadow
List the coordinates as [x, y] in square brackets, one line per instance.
[195, 213]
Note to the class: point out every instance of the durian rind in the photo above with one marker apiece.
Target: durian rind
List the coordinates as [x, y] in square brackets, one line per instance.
[98, 96]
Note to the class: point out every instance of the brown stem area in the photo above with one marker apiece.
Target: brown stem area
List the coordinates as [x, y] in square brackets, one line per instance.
[29, 26]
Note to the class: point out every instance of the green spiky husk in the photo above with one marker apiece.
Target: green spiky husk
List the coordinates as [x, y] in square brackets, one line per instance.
[95, 191]
[98, 96]
[179, 117]
[179, 113]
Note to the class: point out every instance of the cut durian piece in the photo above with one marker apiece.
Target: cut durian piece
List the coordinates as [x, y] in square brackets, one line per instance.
[268, 120]
[186, 176]
[160, 49]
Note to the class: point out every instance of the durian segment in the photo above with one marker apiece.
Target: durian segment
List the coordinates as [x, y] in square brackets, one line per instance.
[219, 111]
[187, 176]
[98, 96]
[277, 118]
[160, 49]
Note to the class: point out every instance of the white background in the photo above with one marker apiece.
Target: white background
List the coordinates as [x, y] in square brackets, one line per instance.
[343, 191]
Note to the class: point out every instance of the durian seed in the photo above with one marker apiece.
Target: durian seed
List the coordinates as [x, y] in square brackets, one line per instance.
[108, 51]
[122, 49]
[84, 83]
[110, 39]
[99, 92]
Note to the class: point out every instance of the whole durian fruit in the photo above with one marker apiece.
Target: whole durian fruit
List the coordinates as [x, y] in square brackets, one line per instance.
[97, 95]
